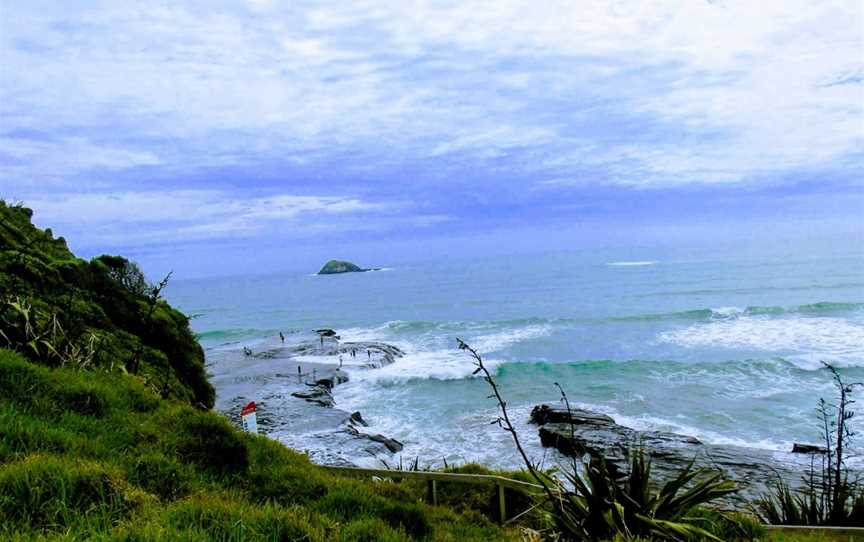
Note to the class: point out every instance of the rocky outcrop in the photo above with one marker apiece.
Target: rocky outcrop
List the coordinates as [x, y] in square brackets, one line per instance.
[335, 267]
[580, 432]
[308, 368]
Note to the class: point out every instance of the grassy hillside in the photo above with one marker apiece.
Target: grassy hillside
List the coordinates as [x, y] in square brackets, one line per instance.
[96, 455]
[61, 310]
[105, 433]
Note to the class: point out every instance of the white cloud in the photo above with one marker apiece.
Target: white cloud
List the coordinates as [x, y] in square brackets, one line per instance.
[193, 214]
[733, 89]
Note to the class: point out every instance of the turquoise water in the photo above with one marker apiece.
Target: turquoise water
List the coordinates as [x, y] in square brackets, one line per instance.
[727, 349]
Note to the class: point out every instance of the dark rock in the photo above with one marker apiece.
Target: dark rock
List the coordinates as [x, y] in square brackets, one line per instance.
[357, 418]
[543, 414]
[808, 449]
[334, 267]
[318, 394]
[596, 434]
[325, 332]
[391, 444]
[338, 377]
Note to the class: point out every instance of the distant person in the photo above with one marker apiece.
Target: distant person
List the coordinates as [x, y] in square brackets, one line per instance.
[322, 340]
[353, 352]
[340, 361]
[369, 354]
[282, 337]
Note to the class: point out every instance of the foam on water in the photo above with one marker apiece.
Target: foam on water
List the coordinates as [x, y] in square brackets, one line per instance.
[631, 264]
[446, 362]
[722, 349]
[804, 340]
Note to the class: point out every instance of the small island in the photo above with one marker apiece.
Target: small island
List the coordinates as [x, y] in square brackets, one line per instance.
[335, 267]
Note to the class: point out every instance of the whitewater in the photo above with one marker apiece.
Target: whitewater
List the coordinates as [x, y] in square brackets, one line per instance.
[724, 347]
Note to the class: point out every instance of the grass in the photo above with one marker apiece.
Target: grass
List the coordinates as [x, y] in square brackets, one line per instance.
[93, 455]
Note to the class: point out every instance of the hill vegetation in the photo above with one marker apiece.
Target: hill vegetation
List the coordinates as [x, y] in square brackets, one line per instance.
[106, 433]
[59, 310]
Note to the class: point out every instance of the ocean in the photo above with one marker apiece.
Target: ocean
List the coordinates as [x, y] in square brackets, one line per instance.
[726, 347]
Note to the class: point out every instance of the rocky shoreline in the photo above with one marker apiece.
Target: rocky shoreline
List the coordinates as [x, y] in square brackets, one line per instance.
[577, 432]
[295, 399]
[295, 396]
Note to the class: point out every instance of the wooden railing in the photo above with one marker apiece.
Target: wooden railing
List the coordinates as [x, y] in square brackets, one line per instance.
[854, 533]
[432, 479]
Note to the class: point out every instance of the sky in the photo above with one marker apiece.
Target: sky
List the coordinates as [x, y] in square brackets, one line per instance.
[217, 138]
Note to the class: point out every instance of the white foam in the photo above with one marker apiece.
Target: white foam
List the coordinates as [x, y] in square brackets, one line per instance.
[436, 356]
[495, 342]
[369, 334]
[440, 365]
[805, 341]
[647, 422]
[631, 264]
[727, 312]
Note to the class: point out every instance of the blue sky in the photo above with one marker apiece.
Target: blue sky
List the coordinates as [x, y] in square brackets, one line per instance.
[230, 137]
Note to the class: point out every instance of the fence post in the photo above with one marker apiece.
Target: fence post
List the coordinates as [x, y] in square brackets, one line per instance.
[502, 505]
[433, 492]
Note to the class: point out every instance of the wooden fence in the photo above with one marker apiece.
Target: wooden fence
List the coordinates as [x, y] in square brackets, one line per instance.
[432, 479]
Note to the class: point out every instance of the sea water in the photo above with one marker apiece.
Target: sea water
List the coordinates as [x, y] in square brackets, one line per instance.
[724, 347]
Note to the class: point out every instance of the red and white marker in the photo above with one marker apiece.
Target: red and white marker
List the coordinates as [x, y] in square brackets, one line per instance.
[250, 421]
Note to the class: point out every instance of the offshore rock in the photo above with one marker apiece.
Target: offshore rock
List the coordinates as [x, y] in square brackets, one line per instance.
[334, 267]
[592, 433]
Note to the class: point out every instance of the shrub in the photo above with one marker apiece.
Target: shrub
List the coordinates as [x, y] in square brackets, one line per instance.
[829, 496]
[126, 273]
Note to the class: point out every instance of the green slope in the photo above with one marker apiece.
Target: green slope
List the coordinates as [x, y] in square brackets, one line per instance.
[105, 432]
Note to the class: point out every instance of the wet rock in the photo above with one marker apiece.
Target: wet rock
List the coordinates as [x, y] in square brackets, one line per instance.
[318, 394]
[357, 419]
[543, 414]
[391, 444]
[808, 449]
[338, 377]
[592, 433]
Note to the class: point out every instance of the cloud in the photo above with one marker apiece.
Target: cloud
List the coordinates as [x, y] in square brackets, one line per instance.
[248, 106]
[734, 80]
[188, 215]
